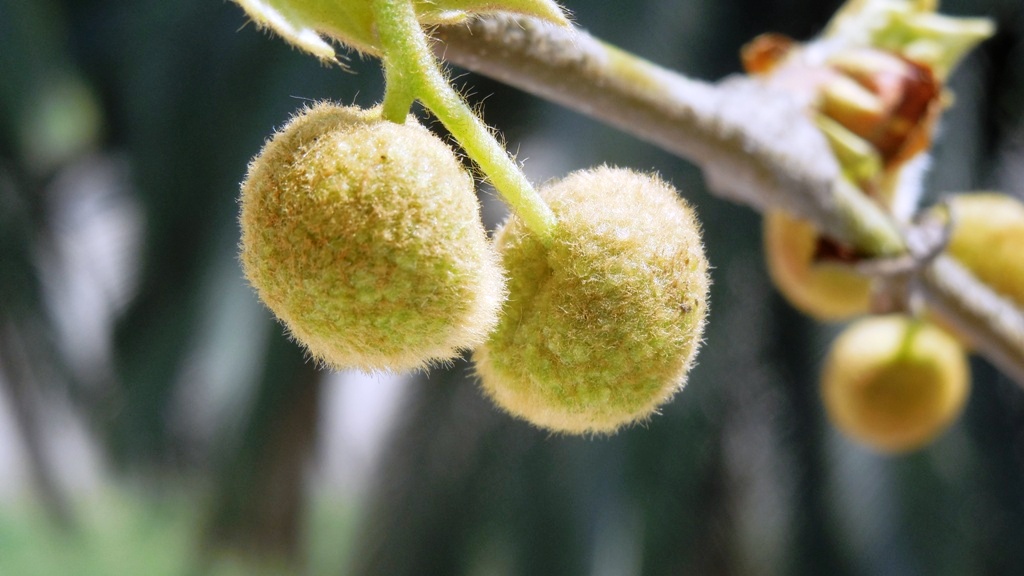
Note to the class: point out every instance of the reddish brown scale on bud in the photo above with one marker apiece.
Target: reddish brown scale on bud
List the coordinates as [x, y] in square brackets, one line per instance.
[764, 53]
[908, 97]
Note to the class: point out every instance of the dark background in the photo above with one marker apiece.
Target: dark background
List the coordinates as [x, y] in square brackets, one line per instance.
[126, 327]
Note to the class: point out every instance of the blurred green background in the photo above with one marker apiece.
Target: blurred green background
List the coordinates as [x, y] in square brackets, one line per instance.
[154, 420]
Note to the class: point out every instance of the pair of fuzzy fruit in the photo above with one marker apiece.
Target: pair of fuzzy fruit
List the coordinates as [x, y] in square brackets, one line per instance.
[895, 383]
[364, 238]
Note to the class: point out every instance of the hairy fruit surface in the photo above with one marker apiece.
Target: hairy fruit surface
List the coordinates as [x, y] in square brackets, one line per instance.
[821, 289]
[602, 325]
[364, 238]
[893, 383]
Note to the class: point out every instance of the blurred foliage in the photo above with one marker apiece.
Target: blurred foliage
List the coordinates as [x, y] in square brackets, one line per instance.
[197, 391]
[129, 531]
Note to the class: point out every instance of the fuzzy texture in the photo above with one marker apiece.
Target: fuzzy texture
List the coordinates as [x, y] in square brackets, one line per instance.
[823, 290]
[602, 325]
[364, 238]
[893, 383]
[988, 239]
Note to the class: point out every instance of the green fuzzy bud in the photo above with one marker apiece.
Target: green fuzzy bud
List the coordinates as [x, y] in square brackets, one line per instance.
[912, 29]
[602, 324]
[364, 238]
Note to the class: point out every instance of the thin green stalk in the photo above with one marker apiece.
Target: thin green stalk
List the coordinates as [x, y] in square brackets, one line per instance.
[870, 227]
[398, 97]
[411, 69]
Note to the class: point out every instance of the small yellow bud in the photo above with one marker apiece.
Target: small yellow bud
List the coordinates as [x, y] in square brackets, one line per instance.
[819, 288]
[893, 383]
[364, 238]
[988, 239]
[602, 325]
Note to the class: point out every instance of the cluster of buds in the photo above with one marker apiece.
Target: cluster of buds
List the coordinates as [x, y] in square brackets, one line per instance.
[874, 84]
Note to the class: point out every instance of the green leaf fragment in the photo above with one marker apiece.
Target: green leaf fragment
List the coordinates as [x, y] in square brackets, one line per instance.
[933, 39]
[276, 16]
[912, 29]
[858, 159]
[305, 23]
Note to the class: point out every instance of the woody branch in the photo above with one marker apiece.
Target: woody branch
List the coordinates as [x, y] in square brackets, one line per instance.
[732, 129]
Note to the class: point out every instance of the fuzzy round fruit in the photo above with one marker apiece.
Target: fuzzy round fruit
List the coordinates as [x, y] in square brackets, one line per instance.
[988, 239]
[364, 238]
[601, 325]
[823, 290]
[893, 383]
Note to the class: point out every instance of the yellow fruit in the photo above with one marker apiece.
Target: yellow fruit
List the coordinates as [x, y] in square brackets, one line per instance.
[823, 290]
[893, 383]
[601, 326]
[364, 238]
[988, 239]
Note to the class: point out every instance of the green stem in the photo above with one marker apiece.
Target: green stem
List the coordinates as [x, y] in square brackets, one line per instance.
[412, 71]
[403, 81]
[871, 229]
[398, 97]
